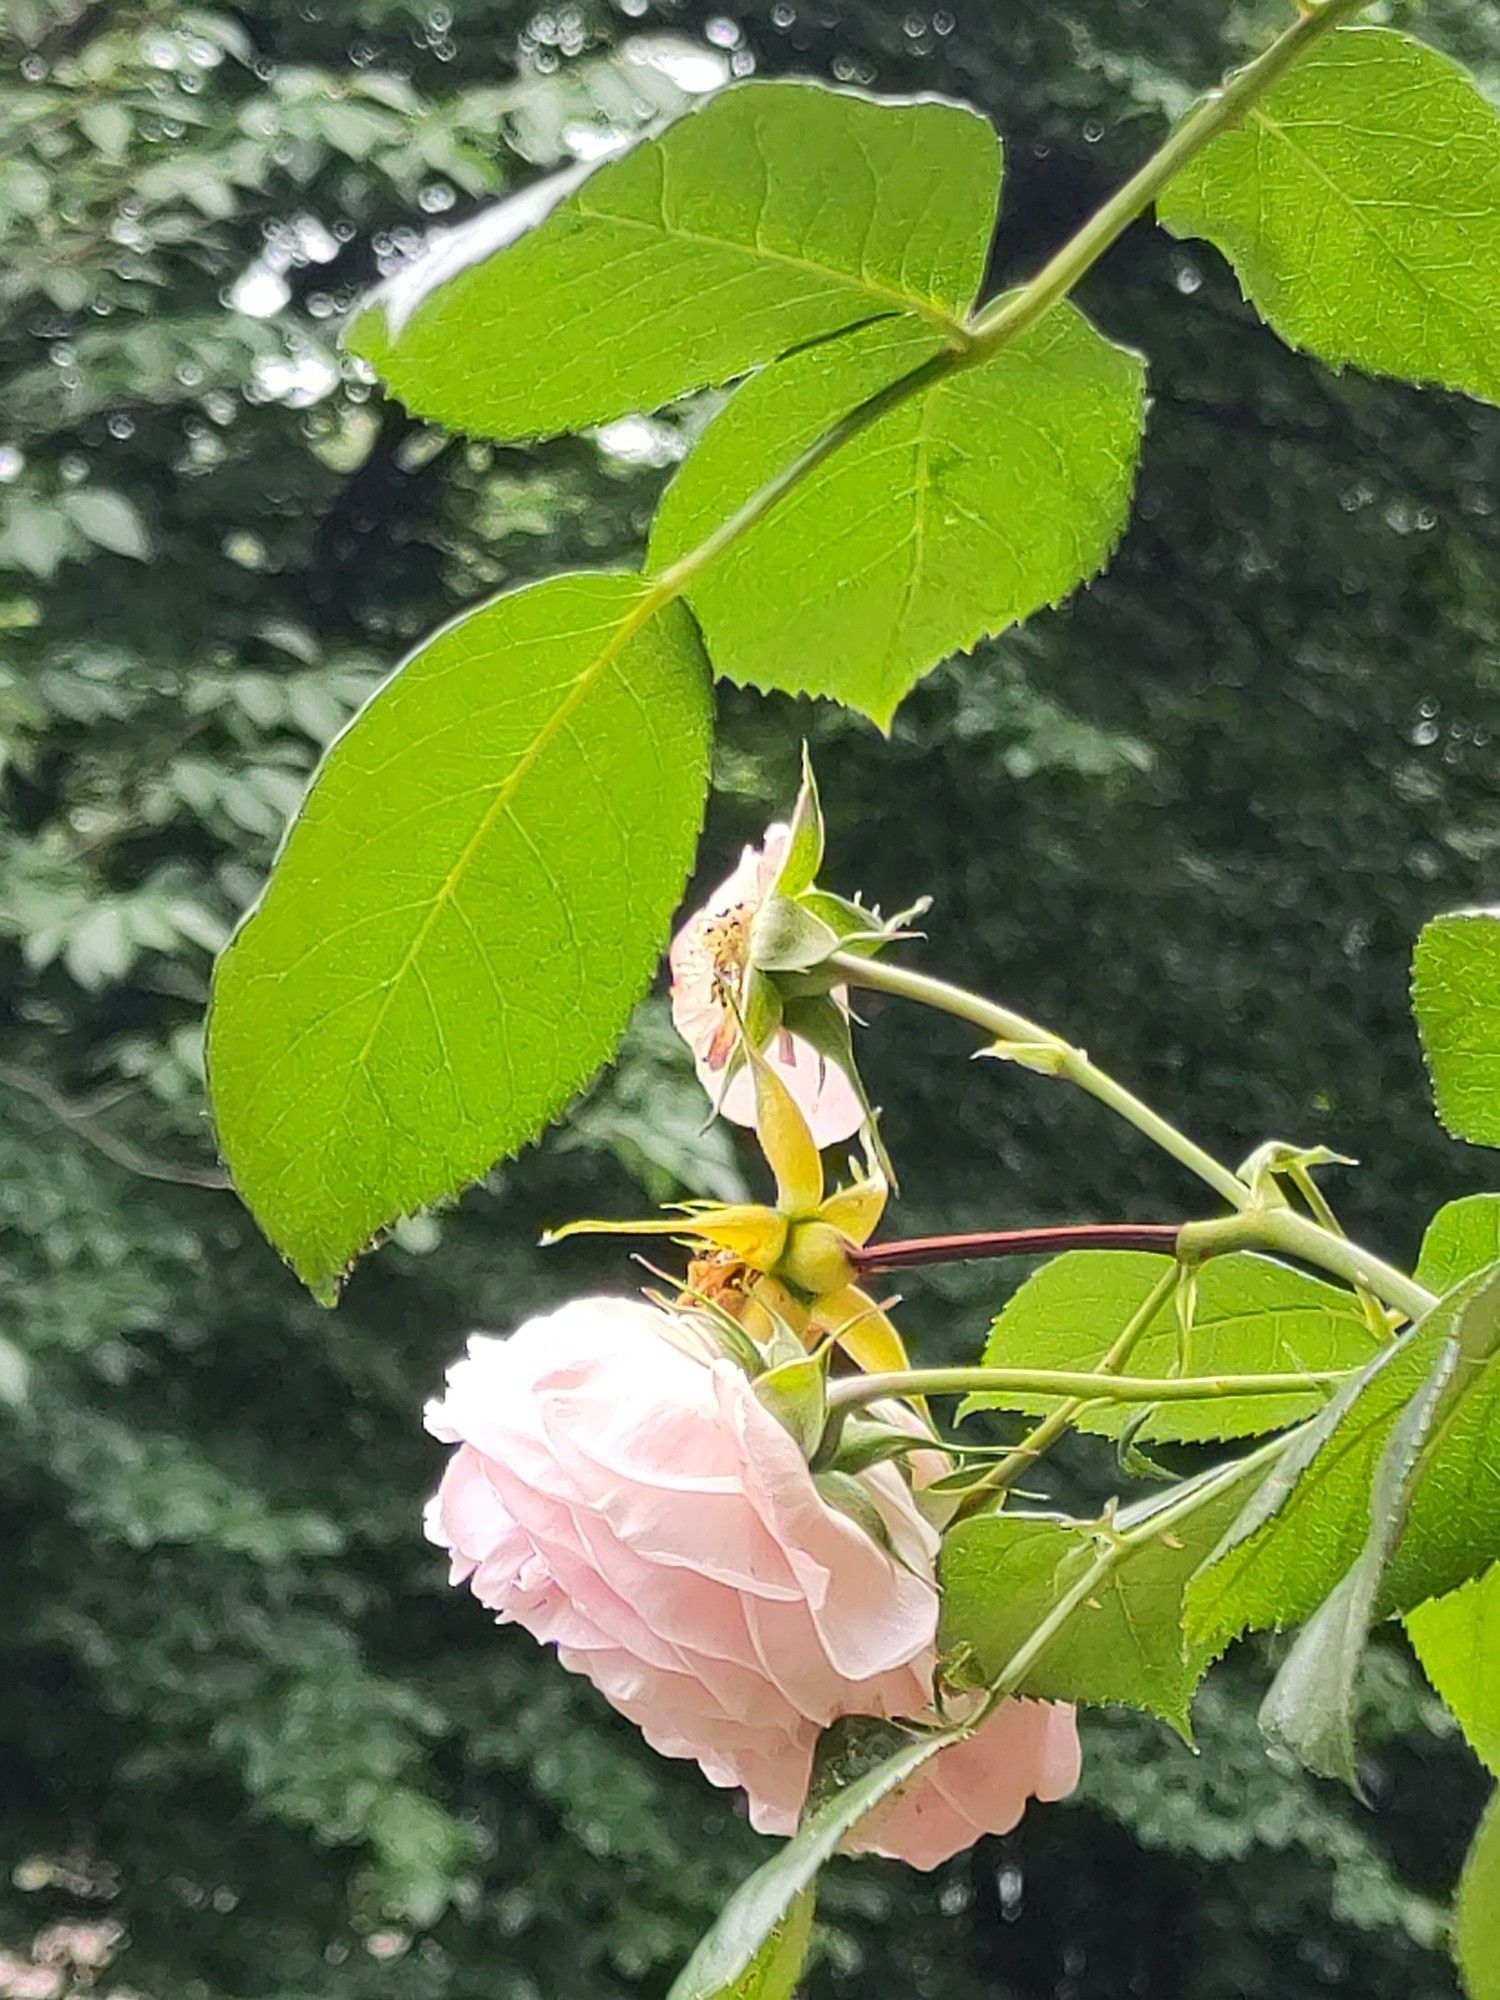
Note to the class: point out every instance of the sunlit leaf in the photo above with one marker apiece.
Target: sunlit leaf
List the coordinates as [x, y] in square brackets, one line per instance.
[1461, 1238]
[1457, 1639]
[995, 490]
[462, 918]
[776, 214]
[1456, 999]
[1359, 202]
[1478, 1917]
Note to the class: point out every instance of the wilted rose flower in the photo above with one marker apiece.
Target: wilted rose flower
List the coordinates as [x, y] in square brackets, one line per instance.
[1025, 1750]
[619, 1490]
[708, 958]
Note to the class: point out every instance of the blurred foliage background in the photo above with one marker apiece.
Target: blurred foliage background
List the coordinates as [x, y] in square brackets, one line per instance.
[250, 1745]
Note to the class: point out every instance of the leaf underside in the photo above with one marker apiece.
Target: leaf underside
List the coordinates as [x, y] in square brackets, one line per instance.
[728, 1950]
[464, 914]
[989, 493]
[778, 213]
[1279, 1562]
[1359, 203]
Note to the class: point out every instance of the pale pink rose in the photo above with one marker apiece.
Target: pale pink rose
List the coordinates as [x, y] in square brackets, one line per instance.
[620, 1491]
[1026, 1750]
[708, 958]
[631, 1501]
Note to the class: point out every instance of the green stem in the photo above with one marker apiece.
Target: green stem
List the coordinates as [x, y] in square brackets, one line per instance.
[1051, 1429]
[1299, 1236]
[672, 581]
[1156, 1517]
[857, 1389]
[1041, 1049]
[1256, 1224]
[1322, 1213]
[1004, 318]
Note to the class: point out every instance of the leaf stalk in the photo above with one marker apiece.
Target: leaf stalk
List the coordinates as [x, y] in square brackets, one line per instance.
[854, 1390]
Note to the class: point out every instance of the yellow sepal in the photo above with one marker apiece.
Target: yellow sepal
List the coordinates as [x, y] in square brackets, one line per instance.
[756, 1235]
[855, 1212]
[862, 1330]
[786, 1142]
[769, 1307]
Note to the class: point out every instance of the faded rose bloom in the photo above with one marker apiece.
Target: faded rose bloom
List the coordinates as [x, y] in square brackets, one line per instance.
[1026, 1750]
[619, 1490]
[630, 1500]
[708, 958]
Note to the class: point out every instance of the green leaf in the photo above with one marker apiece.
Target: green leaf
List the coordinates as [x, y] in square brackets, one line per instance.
[729, 1950]
[1309, 1708]
[464, 914]
[777, 1966]
[1002, 1574]
[1455, 984]
[805, 837]
[1252, 1316]
[991, 491]
[1461, 1238]
[1452, 1530]
[1457, 1639]
[775, 215]
[1478, 1913]
[1359, 202]
[1307, 1524]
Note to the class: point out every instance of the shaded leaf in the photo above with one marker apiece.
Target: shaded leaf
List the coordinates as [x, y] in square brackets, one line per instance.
[1002, 1574]
[1359, 202]
[1456, 999]
[464, 914]
[776, 214]
[1252, 1315]
[15, 1374]
[107, 127]
[1307, 1523]
[993, 490]
[109, 520]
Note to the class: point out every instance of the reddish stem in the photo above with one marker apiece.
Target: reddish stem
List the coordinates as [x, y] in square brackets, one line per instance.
[919, 1250]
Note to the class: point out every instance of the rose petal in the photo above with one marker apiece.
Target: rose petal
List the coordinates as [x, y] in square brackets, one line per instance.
[819, 1088]
[981, 1784]
[632, 1503]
